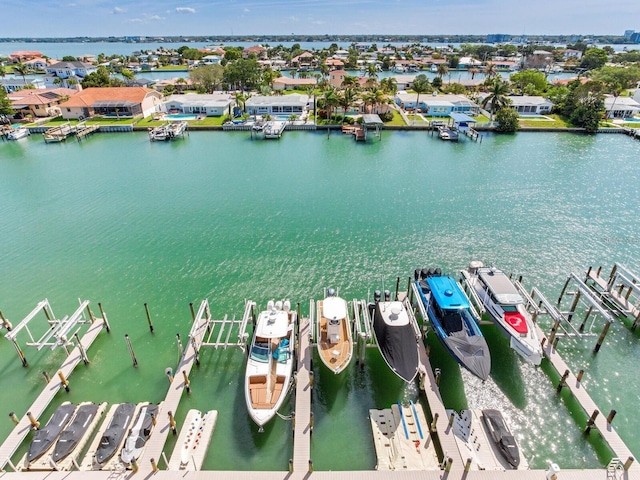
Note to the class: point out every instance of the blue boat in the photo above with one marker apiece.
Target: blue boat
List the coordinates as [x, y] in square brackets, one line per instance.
[453, 321]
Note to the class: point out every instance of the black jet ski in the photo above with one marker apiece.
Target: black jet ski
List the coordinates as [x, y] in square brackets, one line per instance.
[115, 432]
[502, 436]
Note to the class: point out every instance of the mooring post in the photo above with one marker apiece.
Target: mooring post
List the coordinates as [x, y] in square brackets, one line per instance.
[580, 375]
[552, 335]
[134, 466]
[63, 381]
[195, 351]
[574, 305]
[438, 372]
[467, 465]
[555, 343]
[193, 312]
[180, 349]
[23, 359]
[35, 424]
[6, 323]
[612, 277]
[146, 309]
[92, 317]
[172, 423]
[611, 415]
[310, 466]
[83, 352]
[291, 465]
[586, 317]
[627, 464]
[636, 322]
[434, 423]
[186, 381]
[46, 376]
[131, 352]
[452, 417]
[14, 417]
[591, 421]
[363, 348]
[447, 466]
[104, 318]
[397, 287]
[566, 284]
[563, 381]
[311, 422]
[601, 338]
[154, 465]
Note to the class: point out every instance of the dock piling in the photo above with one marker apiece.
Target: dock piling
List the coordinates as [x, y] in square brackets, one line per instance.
[591, 421]
[467, 465]
[83, 352]
[104, 318]
[172, 422]
[596, 349]
[46, 376]
[131, 352]
[627, 464]
[154, 465]
[580, 375]
[310, 466]
[14, 417]
[146, 309]
[35, 424]
[5, 323]
[438, 373]
[180, 348]
[611, 415]
[169, 373]
[434, 423]
[64, 381]
[20, 353]
[187, 384]
[563, 381]
[447, 465]
[193, 312]
[291, 465]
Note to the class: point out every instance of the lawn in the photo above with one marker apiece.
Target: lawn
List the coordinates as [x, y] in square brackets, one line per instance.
[397, 121]
[171, 68]
[205, 122]
[556, 122]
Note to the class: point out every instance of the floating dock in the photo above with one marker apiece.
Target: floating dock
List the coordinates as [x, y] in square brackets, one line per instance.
[402, 439]
[475, 443]
[274, 128]
[193, 441]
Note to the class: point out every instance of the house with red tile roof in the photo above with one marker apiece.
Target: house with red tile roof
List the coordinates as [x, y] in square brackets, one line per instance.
[334, 63]
[41, 102]
[258, 50]
[112, 101]
[22, 55]
[336, 77]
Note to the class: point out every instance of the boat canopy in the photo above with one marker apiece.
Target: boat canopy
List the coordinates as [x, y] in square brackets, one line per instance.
[500, 286]
[334, 308]
[447, 293]
[273, 324]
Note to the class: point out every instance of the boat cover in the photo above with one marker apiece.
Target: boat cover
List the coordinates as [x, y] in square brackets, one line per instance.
[471, 351]
[71, 435]
[516, 321]
[115, 432]
[398, 346]
[44, 438]
[501, 435]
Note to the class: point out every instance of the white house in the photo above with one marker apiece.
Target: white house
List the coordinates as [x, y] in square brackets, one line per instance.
[531, 105]
[437, 105]
[294, 104]
[211, 60]
[13, 84]
[621, 107]
[66, 71]
[211, 105]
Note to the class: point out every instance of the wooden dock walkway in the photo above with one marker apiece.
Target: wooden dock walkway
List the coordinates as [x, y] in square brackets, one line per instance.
[83, 131]
[17, 436]
[606, 430]
[302, 429]
[156, 442]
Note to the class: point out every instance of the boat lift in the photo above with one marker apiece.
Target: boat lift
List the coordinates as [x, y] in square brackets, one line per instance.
[621, 291]
[219, 331]
[60, 332]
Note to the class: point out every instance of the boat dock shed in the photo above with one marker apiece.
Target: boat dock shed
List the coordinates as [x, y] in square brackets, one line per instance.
[463, 123]
[370, 121]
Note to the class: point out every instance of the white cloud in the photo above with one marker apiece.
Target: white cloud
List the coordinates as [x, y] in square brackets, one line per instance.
[185, 10]
[246, 10]
[118, 10]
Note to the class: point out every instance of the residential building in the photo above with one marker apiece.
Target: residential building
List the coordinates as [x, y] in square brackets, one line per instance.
[41, 102]
[258, 50]
[22, 55]
[568, 53]
[39, 63]
[286, 83]
[334, 63]
[336, 77]
[211, 60]
[531, 105]
[621, 107]
[68, 73]
[437, 105]
[304, 60]
[112, 102]
[210, 105]
[13, 84]
[294, 104]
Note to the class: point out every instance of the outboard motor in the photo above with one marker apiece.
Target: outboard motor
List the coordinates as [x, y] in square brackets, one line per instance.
[331, 292]
[438, 272]
[424, 273]
[376, 296]
[416, 274]
[474, 266]
[431, 272]
[387, 295]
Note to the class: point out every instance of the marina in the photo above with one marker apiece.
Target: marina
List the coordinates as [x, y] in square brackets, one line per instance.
[229, 269]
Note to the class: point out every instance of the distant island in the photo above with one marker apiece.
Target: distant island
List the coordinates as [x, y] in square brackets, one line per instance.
[382, 39]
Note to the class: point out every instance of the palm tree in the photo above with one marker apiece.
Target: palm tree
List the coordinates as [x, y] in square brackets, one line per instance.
[490, 70]
[345, 100]
[182, 82]
[331, 100]
[22, 69]
[420, 85]
[389, 85]
[442, 69]
[473, 71]
[371, 71]
[498, 96]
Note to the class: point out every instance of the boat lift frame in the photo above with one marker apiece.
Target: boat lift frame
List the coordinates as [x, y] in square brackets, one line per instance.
[60, 332]
[222, 329]
[612, 291]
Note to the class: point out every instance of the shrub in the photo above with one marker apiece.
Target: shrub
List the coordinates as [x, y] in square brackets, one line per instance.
[508, 120]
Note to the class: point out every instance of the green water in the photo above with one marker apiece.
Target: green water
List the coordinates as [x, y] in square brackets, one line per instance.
[122, 221]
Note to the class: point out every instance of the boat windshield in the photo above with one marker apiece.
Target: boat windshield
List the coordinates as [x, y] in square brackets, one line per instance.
[260, 353]
[509, 308]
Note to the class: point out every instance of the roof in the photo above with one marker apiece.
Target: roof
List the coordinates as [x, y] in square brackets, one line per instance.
[371, 119]
[462, 118]
[25, 97]
[262, 100]
[499, 284]
[296, 81]
[447, 293]
[75, 64]
[201, 100]
[89, 96]
[529, 100]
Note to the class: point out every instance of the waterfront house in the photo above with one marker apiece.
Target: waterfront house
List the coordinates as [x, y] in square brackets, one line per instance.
[621, 107]
[112, 102]
[437, 105]
[404, 82]
[530, 104]
[286, 83]
[336, 77]
[39, 64]
[66, 72]
[294, 104]
[41, 102]
[334, 63]
[13, 84]
[469, 62]
[304, 60]
[210, 105]
[257, 50]
[211, 60]
[22, 55]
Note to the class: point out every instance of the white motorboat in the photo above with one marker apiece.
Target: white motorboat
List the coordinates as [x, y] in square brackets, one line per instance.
[17, 133]
[333, 328]
[270, 361]
[506, 307]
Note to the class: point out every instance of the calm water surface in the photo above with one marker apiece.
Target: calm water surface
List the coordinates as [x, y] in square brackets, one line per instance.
[123, 221]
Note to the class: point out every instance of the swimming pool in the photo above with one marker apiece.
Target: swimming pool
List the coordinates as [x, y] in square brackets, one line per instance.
[180, 116]
[534, 117]
[631, 120]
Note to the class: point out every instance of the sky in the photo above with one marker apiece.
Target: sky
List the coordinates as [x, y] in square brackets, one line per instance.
[70, 18]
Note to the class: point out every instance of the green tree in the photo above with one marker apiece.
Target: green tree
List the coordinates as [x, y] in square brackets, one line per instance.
[420, 85]
[243, 73]
[585, 104]
[345, 100]
[22, 70]
[330, 101]
[389, 85]
[490, 70]
[535, 78]
[441, 70]
[69, 58]
[508, 120]
[209, 77]
[5, 104]
[497, 97]
[127, 74]
[627, 77]
[436, 83]
[99, 78]
[593, 58]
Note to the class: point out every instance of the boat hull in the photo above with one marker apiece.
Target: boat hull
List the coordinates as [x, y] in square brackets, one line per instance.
[502, 436]
[139, 434]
